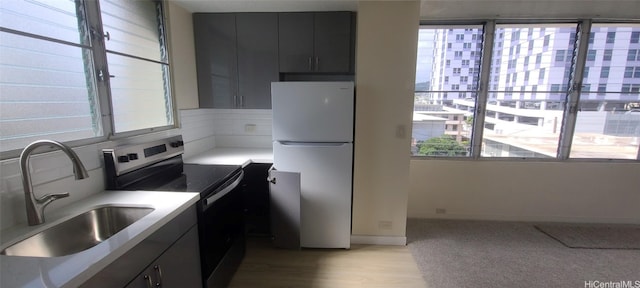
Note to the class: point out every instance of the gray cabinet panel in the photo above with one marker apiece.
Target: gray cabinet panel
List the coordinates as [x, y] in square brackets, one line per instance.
[257, 35]
[296, 42]
[236, 59]
[320, 42]
[332, 44]
[284, 192]
[216, 59]
[179, 266]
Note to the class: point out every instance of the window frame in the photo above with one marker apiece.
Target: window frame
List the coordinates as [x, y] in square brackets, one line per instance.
[584, 36]
[101, 67]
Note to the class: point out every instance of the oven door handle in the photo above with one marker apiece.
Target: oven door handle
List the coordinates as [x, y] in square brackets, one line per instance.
[213, 198]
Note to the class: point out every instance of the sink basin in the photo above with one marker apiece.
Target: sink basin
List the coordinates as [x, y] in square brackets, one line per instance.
[78, 233]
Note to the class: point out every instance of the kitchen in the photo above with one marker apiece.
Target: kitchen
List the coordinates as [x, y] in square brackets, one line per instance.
[204, 139]
[384, 175]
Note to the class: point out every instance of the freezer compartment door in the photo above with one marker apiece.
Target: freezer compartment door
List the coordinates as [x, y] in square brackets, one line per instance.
[325, 190]
[312, 111]
[284, 194]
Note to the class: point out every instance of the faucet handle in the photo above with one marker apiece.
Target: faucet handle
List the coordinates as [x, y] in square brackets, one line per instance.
[46, 199]
[57, 195]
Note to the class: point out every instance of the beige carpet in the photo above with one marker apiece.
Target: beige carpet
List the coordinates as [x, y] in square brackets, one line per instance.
[459, 254]
[593, 236]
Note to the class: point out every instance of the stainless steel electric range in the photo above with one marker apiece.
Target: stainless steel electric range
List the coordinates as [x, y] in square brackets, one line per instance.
[158, 166]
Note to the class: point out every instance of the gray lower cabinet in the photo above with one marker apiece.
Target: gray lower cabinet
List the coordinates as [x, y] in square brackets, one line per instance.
[284, 194]
[169, 257]
[319, 42]
[236, 59]
[179, 266]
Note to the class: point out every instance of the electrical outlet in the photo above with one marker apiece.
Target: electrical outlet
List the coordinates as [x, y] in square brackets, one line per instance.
[401, 131]
[385, 225]
[441, 211]
[250, 128]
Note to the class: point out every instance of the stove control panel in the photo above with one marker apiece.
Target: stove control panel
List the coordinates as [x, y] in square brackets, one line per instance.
[126, 158]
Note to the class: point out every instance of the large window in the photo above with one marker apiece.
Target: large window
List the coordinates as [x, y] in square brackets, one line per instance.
[608, 119]
[66, 76]
[531, 106]
[446, 84]
[524, 115]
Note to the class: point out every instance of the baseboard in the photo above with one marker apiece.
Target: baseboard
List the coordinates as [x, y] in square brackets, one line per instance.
[527, 218]
[379, 240]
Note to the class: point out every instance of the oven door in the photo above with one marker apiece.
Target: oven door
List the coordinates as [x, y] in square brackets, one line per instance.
[221, 228]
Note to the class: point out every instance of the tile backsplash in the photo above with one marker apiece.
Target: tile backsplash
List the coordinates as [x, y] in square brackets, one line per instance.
[201, 129]
[243, 128]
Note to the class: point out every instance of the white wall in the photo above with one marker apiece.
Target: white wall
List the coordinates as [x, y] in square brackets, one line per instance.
[526, 191]
[515, 190]
[385, 72]
[182, 57]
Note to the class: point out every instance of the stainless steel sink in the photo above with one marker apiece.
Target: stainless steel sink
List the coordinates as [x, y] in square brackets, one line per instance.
[78, 233]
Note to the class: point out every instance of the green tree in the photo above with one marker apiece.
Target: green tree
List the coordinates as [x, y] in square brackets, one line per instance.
[444, 145]
[469, 120]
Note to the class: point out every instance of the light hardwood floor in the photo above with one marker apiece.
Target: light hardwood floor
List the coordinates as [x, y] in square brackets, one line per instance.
[361, 266]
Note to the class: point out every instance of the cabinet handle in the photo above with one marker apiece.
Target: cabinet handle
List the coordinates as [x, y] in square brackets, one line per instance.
[159, 274]
[317, 63]
[149, 282]
[235, 101]
[310, 64]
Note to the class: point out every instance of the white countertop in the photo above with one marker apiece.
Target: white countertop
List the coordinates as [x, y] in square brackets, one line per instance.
[73, 270]
[232, 156]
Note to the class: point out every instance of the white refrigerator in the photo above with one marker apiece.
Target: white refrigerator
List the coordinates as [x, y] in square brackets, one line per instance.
[313, 136]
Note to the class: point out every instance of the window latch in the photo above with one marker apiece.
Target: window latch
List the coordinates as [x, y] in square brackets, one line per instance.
[95, 34]
[101, 75]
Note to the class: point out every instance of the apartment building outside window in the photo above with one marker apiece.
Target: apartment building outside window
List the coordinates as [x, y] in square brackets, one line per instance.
[538, 121]
[439, 129]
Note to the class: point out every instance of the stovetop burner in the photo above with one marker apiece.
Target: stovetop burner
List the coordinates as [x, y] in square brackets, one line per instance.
[194, 178]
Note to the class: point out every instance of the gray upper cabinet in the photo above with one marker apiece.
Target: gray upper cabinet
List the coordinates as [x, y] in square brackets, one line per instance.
[257, 58]
[216, 60]
[319, 42]
[236, 59]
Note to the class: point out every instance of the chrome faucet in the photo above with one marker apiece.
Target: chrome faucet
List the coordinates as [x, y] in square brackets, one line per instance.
[35, 206]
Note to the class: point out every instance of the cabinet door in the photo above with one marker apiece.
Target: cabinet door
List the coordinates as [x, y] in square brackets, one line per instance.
[216, 60]
[332, 42]
[179, 266]
[295, 42]
[285, 208]
[257, 35]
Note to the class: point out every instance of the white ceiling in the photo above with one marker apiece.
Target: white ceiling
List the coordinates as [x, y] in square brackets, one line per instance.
[441, 9]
